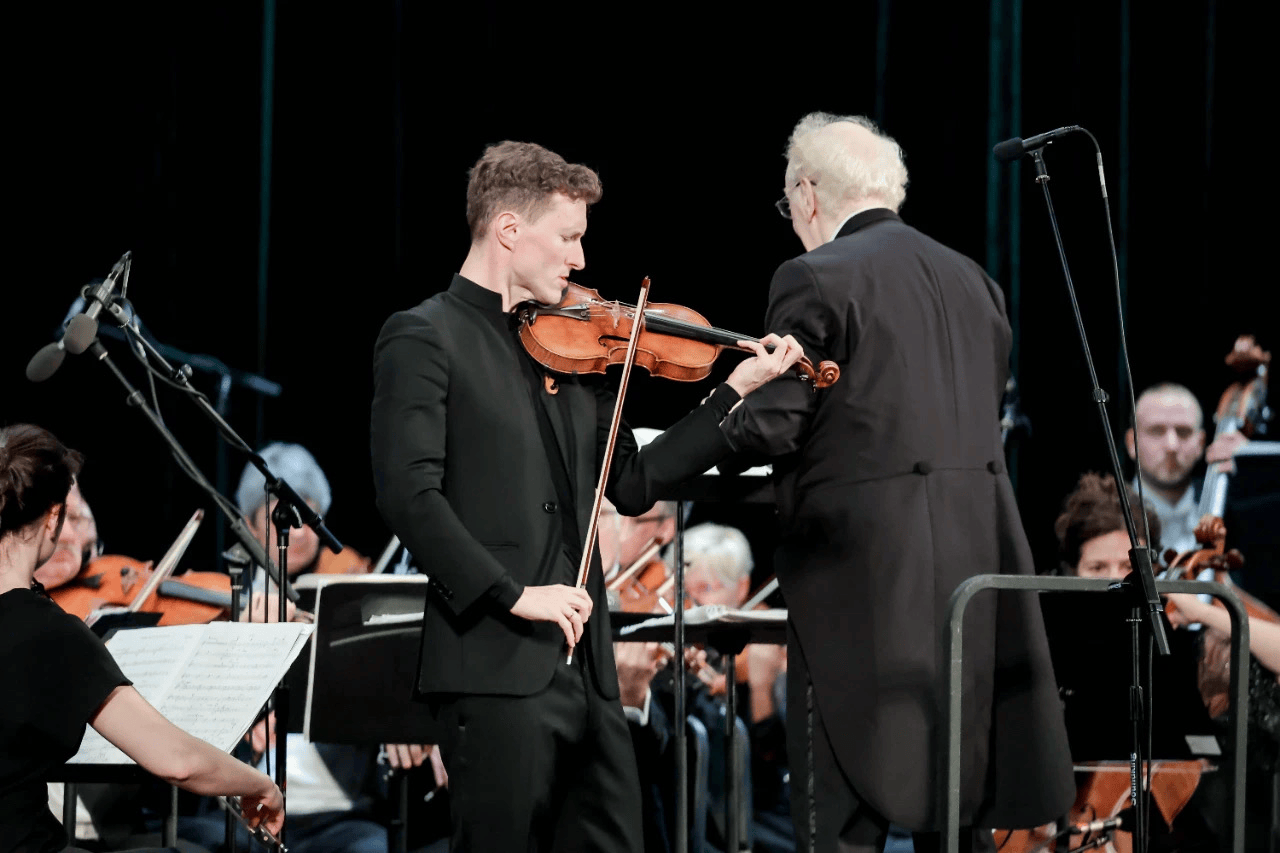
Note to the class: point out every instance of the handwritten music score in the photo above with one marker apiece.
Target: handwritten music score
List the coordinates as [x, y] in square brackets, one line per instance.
[209, 680]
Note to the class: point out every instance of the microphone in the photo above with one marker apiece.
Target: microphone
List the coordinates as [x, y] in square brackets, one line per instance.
[84, 327]
[1012, 149]
[79, 327]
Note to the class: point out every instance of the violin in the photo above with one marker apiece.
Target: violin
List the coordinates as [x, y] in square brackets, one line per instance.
[116, 583]
[585, 334]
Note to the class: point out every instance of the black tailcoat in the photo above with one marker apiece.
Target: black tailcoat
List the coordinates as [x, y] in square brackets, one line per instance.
[463, 478]
[891, 491]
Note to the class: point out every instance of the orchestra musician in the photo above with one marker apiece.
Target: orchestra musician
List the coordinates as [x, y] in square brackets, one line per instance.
[59, 675]
[1168, 440]
[484, 466]
[891, 491]
[1093, 542]
[332, 787]
[77, 544]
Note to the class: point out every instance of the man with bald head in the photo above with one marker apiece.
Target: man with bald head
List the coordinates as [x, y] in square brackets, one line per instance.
[891, 491]
[1168, 442]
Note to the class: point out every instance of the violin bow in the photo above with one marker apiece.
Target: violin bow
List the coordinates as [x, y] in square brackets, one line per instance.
[646, 556]
[589, 545]
[259, 833]
[169, 561]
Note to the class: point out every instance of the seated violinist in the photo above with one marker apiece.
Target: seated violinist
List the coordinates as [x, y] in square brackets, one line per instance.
[59, 677]
[294, 464]
[718, 565]
[332, 787]
[77, 544]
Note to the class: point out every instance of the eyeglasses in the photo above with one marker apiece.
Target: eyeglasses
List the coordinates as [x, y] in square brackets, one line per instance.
[784, 204]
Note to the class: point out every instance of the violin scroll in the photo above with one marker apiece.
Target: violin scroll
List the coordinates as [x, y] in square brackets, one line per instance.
[826, 375]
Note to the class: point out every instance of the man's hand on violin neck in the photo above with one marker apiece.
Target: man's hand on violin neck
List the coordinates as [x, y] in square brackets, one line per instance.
[567, 606]
[764, 366]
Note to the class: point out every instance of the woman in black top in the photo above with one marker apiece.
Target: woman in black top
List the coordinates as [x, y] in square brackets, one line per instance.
[57, 676]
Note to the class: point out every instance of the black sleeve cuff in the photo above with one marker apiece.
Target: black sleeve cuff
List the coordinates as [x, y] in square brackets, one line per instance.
[722, 400]
[505, 592]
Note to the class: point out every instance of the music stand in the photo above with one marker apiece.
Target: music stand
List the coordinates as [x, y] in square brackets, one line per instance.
[1088, 639]
[108, 623]
[364, 664]
[728, 632]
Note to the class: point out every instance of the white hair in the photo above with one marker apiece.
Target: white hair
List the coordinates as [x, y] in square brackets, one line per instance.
[725, 551]
[840, 177]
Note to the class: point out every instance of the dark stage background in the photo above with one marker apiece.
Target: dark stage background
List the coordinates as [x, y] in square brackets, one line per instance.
[140, 127]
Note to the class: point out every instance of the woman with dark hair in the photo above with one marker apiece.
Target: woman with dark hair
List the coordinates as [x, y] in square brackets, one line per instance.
[58, 676]
[1093, 542]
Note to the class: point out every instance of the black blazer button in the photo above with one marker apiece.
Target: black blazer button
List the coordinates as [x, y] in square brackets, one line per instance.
[549, 506]
[922, 468]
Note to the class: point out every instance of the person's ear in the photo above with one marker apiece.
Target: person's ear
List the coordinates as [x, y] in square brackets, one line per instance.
[53, 521]
[1129, 444]
[808, 201]
[1200, 442]
[506, 228]
[744, 587]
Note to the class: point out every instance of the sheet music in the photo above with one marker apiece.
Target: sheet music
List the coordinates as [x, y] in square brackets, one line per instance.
[209, 680]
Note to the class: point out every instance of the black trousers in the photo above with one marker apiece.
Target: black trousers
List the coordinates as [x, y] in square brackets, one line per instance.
[553, 771]
[829, 815]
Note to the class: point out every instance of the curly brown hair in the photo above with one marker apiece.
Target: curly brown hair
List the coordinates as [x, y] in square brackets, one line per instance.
[522, 176]
[1093, 510]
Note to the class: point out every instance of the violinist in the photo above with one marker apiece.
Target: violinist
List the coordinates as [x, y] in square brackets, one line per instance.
[77, 544]
[332, 787]
[484, 466]
[295, 464]
[891, 491]
[59, 676]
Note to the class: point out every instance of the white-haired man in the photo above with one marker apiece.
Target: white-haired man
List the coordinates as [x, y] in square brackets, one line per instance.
[891, 491]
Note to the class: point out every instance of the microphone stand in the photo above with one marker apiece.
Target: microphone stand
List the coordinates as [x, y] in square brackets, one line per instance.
[1143, 595]
[135, 398]
[290, 510]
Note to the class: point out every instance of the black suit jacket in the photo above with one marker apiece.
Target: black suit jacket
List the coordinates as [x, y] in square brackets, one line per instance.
[891, 491]
[463, 478]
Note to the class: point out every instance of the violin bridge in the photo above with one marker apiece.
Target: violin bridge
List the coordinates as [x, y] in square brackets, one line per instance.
[615, 311]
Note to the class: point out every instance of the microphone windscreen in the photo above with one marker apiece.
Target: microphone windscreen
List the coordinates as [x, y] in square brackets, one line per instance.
[1009, 150]
[46, 362]
[80, 333]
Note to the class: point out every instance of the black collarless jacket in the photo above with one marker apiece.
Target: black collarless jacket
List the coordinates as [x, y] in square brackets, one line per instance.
[463, 478]
[891, 492]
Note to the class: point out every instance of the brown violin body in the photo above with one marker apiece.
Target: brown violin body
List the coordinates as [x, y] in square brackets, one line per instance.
[586, 334]
[641, 591]
[111, 580]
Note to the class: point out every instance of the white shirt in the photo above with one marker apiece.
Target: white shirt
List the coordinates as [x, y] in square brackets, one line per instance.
[1177, 521]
